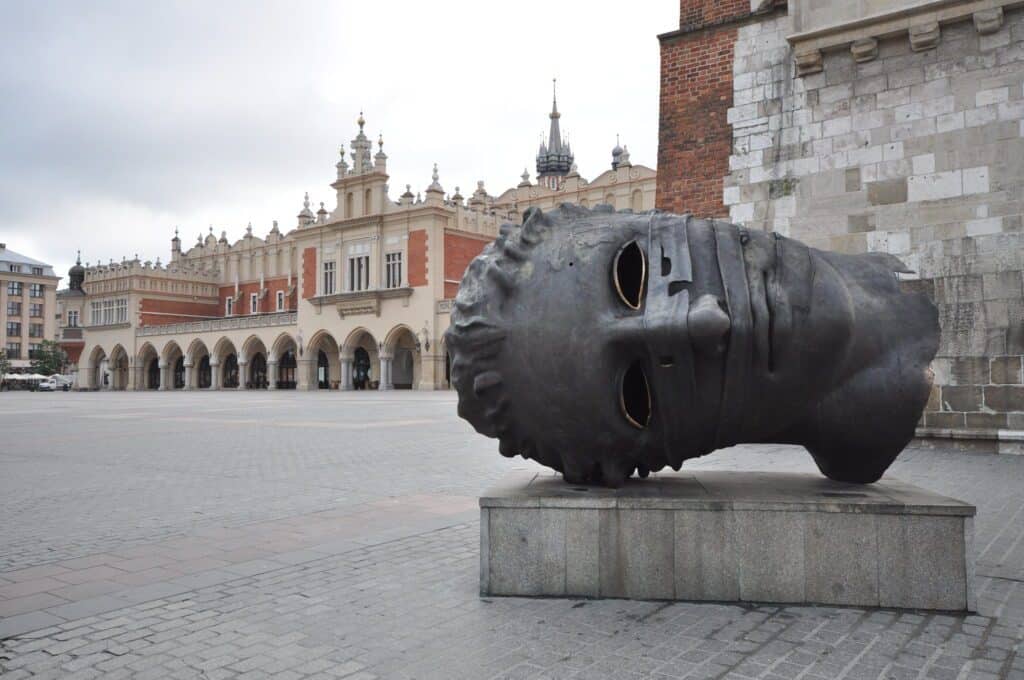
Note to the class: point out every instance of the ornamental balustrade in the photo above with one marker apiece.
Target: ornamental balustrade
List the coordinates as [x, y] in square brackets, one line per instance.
[225, 324]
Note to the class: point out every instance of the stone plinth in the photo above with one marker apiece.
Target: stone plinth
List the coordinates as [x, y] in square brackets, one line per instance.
[728, 536]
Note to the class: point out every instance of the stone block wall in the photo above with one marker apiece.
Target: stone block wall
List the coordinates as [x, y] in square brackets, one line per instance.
[915, 153]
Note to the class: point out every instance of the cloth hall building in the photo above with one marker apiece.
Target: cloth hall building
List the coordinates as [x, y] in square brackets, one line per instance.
[349, 298]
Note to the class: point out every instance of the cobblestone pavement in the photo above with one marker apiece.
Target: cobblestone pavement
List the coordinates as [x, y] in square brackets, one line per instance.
[257, 535]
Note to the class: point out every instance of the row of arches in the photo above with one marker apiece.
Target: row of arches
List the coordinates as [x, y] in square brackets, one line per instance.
[360, 361]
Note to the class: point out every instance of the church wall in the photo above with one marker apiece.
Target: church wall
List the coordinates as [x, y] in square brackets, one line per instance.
[153, 311]
[418, 257]
[915, 153]
[459, 251]
[308, 273]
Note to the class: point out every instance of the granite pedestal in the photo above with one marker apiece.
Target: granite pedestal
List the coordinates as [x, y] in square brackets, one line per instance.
[731, 537]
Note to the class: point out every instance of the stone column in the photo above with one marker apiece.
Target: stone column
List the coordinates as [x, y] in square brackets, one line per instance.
[164, 375]
[242, 374]
[428, 369]
[132, 378]
[272, 374]
[346, 373]
[305, 368]
[188, 375]
[214, 375]
[385, 372]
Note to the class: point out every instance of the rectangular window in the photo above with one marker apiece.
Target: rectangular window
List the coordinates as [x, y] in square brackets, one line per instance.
[16, 268]
[14, 329]
[14, 288]
[254, 303]
[73, 318]
[36, 290]
[359, 273]
[328, 287]
[229, 307]
[13, 350]
[122, 310]
[33, 349]
[35, 309]
[13, 309]
[38, 271]
[393, 270]
[280, 300]
[35, 330]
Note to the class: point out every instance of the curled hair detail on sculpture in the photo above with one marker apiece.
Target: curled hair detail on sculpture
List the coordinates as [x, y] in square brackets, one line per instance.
[477, 335]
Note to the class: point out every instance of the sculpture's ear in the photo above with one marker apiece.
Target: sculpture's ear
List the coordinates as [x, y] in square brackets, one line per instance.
[891, 262]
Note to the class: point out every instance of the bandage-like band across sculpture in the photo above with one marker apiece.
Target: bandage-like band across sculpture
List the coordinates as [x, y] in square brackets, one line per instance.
[603, 344]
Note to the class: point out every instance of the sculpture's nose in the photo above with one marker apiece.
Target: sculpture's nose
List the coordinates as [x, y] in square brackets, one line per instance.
[708, 324]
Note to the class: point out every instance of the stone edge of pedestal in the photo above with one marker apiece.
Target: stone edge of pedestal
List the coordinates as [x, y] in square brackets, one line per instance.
[815, 552]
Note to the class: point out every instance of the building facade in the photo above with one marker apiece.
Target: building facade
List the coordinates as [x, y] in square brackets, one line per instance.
[353, 297]
[28, 306]
[872, 125]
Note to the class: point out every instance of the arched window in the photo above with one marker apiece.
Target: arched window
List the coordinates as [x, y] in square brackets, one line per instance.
[323, 370]
[257, 372]
[179, 373]
[286, 371]
[610, 199]
[230, 378]
[637, 203]
[205, 374]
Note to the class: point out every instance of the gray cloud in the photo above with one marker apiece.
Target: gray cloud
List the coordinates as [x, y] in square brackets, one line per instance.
[122, 120]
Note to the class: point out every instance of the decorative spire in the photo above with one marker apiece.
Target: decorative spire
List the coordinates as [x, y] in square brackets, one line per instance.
[361, 121]
[305, 215]
[435, 185]
[78, 257]
[248, 230]
[555, 158]
[526, 178]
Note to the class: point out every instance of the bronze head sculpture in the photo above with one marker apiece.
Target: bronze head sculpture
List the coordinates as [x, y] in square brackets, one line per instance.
[602, 344]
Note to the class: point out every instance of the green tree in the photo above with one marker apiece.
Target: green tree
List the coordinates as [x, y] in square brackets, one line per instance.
[49, 358]
[5, 365]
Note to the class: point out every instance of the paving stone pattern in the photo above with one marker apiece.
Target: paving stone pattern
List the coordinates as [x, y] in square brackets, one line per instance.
[299, 536]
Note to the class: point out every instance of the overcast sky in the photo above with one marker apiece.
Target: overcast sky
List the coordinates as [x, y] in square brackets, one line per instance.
[120, 121]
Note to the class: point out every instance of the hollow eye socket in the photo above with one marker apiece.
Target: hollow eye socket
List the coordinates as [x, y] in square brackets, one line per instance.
[635, 396]
[629, 272]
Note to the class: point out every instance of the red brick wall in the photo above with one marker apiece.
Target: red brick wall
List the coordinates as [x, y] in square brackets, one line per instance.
[74, 352]
[694, 138]
[308, 273]
[459, 251]
[418, 257]
[695, 14]
[155, 312]
[267, 304]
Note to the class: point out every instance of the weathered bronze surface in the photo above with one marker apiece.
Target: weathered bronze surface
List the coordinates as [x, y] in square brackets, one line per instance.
[602, 344]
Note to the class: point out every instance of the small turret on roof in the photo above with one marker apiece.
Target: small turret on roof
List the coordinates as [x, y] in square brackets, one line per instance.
[305, 215]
